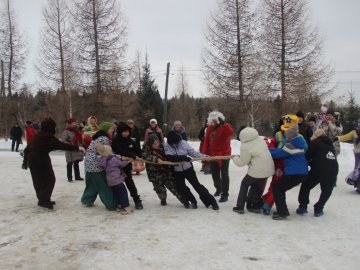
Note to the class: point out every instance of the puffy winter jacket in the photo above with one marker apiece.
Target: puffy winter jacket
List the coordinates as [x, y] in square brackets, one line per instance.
[293, 154]
[112, 165]
[254, 153]
[179, 152]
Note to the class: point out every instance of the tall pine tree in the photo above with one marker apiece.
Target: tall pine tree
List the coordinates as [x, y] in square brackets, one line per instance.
[149, 99]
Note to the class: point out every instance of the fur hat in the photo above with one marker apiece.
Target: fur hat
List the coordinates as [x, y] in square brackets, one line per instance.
[104, 150]
[122, 127]
[173, 137]
[152, 139]
[289, 121]
[71, 120]
[292, 132]
[153, 120]
[319, 132]
[177, 123]
[300, 114]
[105, 126]
[214, 117]
[129, 121]
[48, 125]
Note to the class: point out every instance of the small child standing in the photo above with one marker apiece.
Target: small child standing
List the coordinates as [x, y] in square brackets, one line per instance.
[114, 176]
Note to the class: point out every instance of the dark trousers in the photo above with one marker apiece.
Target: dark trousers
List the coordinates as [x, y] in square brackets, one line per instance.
[17, 142]
[283, 185]
[129, 181]
[190, 175]
[120, 195]
[220, 176]
[251, 190]
[43, 181]
[69, 167]
[326, 185]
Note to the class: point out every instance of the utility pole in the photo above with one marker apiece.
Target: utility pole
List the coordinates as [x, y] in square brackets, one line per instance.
[166, 93]
[2, 87]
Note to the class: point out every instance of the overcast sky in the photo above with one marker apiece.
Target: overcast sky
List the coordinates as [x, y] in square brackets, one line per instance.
[172, 31]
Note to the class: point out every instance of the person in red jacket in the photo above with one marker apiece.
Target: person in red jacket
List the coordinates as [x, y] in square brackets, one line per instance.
[217, 143]
[30, 131]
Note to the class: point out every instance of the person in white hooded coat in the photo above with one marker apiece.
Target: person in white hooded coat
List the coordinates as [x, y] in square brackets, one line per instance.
[255, 154]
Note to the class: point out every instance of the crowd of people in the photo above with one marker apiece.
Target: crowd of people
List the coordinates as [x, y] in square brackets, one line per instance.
[111, 150]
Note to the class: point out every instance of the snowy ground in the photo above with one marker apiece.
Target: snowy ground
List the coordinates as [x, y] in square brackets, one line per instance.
[170, 237]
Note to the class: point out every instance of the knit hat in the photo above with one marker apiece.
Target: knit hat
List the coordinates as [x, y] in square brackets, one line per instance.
[331, 111]
[152, 139]
[300, 114]
[292, 132]
[153, 120]
[173, 137]
[28, 122]
[289, 121]
[48, 125]
[122, 127]
[71, 120]
[104, 150]
[105, 126]
[319, 132]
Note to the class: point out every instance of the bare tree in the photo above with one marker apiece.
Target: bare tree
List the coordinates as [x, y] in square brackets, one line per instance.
[230, 51]
[12, 47]
[292, 50]
[54, 53]
[101, 36]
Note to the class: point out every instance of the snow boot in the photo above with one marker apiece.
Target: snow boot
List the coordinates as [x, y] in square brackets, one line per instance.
[319, 214]
[138, 205]
[238, 210]
[163, 202]
[223, 198]
[301, 211]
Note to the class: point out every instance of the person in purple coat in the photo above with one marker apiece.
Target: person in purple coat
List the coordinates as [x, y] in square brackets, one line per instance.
[115, 176]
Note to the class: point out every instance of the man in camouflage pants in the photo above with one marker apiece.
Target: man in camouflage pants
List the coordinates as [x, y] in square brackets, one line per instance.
[160, 176]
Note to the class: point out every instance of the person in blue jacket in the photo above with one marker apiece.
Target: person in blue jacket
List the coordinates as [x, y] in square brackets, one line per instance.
[295, 171]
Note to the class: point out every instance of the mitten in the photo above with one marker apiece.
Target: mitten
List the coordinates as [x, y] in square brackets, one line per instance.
[221, 121]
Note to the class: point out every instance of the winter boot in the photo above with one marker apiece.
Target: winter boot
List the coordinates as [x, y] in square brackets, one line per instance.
[187, 205]
[238, 210]
[254, 210]
[138, 205]
[163, 202]
[217, 193]
[277, 216]
[214, 205]
[193, 205]
[79, 178]
[47, 205]
[301, 211]
[319, 214]
[223, 198]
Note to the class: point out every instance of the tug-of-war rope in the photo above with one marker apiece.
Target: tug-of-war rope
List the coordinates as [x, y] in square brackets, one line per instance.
[164, 162]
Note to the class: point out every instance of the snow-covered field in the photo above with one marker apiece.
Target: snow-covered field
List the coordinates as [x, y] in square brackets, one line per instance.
[170, 237]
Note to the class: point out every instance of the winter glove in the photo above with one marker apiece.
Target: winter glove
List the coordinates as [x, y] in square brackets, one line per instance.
[335, 139]
[221, 121]
[188, 159]
[24, 166]
[82, 149]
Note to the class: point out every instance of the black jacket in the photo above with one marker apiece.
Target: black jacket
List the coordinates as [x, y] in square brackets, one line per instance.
[306, 131]
[15, 133]
[322, 158]
[125, 147]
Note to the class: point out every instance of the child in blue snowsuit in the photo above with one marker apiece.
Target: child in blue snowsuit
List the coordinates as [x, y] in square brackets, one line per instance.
[295, 171]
